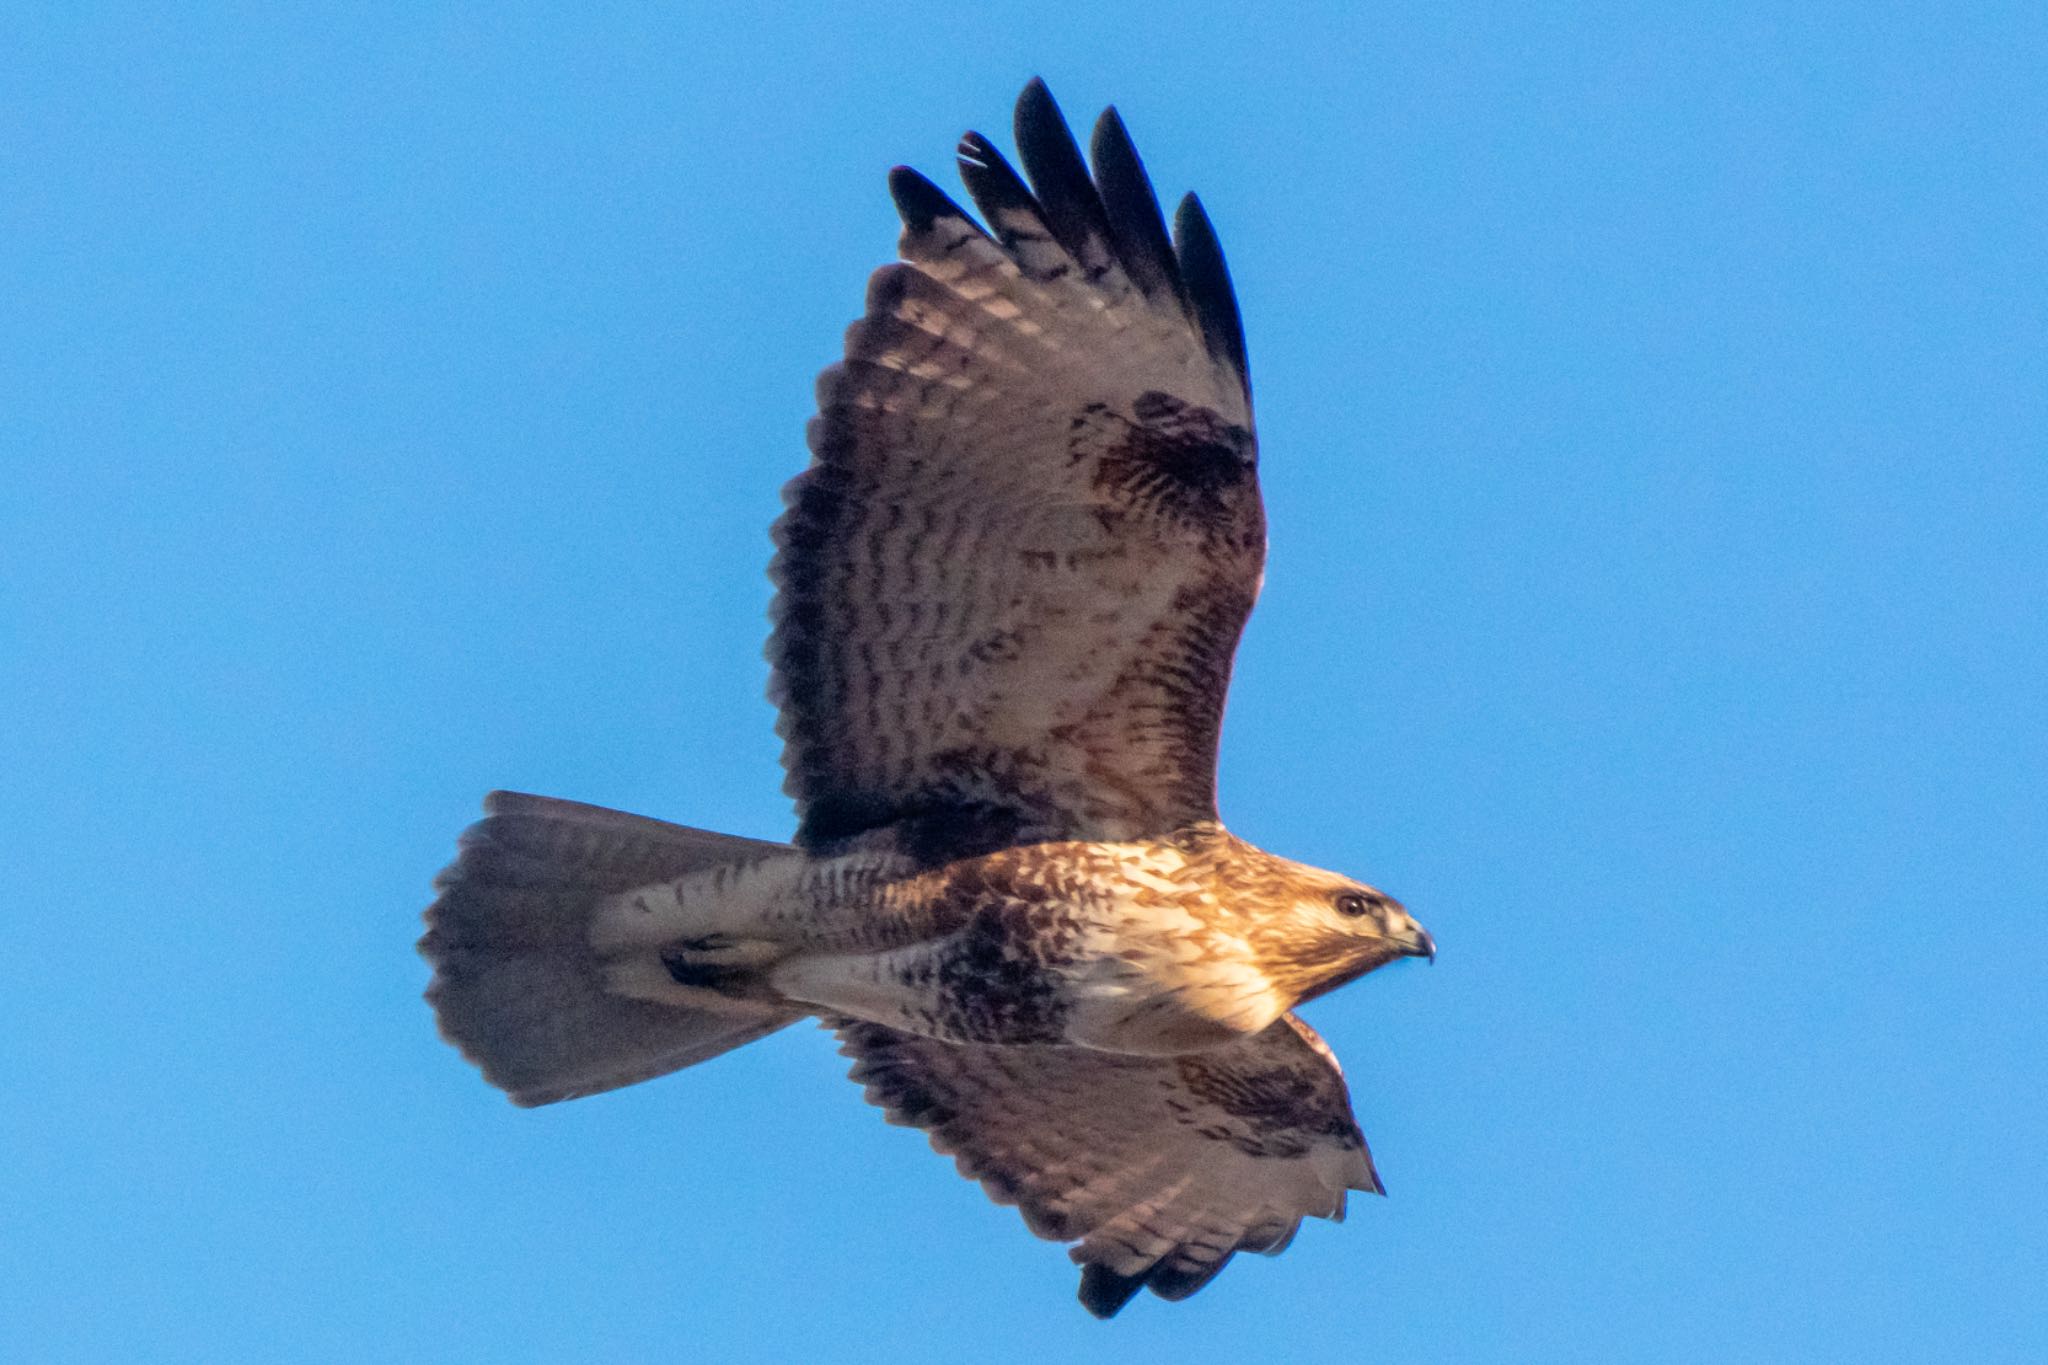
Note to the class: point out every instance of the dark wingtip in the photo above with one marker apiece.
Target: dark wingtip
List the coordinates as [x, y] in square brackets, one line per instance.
[1108, 215]
[1038, 113]
[973, 148]
[1133, 208]
[999, 192]
[1104, 1292]
[1175, 1285]
[1209, 290]
[920, 201]
[1059, 177]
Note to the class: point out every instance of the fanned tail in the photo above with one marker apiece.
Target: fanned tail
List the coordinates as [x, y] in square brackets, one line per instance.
[518, 986]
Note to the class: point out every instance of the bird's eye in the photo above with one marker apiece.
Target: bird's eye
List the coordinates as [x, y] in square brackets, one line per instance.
[1352, 905]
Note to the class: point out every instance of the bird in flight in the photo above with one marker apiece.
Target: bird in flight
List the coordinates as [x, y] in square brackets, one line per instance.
[1009, 588]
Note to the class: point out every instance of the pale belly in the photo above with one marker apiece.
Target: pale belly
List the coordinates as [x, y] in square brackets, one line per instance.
[991, 983]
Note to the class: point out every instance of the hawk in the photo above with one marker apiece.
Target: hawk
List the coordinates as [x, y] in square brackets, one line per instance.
[1009, 587]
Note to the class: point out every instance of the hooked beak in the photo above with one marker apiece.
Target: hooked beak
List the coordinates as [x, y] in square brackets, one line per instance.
[1416, 942]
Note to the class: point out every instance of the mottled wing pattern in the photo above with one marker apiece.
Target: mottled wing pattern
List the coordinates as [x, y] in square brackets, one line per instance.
[1012, 580]
[1161, 1168]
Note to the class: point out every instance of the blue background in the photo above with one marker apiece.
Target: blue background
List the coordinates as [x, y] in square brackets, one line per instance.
[1655, 410]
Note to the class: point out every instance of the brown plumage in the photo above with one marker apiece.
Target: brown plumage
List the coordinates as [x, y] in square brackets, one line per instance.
[1010, 587]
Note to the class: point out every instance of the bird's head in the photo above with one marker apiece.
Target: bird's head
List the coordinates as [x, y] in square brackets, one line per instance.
[1330, 930]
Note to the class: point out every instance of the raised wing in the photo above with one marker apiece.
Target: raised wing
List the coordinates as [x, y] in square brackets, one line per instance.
[1012, 580]
[1162, 1168]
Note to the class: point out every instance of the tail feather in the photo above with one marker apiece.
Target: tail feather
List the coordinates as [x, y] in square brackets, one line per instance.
[517, 985]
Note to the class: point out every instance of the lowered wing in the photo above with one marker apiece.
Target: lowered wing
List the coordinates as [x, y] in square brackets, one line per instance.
[1161, 1168]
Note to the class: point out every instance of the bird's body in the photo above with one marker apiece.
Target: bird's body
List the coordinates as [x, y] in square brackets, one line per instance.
[1145, 947]
[1010, 587]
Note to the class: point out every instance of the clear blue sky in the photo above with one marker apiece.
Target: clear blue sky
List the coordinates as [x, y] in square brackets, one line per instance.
[1655, 412]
